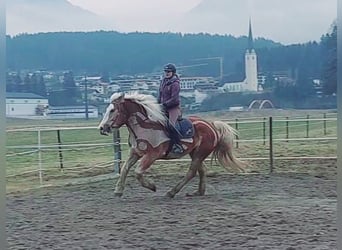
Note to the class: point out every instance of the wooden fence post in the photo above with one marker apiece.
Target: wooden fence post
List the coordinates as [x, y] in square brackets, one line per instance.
[307, 126]
[264, 130]
[60, 149]
[271, 145]
[117, 151]
[287, 128]
[325, 124]
[40, 168]
[237, 129]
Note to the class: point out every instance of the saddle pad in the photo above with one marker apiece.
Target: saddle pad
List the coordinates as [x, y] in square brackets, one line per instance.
[185, 128]
[189, 140]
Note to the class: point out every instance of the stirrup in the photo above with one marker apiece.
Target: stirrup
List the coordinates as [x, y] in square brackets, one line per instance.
[178, 149]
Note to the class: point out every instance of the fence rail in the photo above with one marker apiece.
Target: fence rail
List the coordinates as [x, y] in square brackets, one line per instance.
[115, 147]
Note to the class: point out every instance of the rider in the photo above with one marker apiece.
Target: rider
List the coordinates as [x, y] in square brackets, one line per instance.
[170, 100]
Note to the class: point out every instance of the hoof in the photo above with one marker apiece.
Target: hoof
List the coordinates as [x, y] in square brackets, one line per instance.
[197, 193]
[153, 188]
[117, 194]
[169, 195]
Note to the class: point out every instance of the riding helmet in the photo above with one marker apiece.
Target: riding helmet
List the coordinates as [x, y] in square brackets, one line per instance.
[170, 67]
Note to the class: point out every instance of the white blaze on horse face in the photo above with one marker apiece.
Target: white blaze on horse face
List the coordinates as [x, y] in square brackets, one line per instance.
[107, 115]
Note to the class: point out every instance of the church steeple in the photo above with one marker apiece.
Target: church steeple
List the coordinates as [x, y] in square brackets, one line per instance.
[251, 67]
[250, 37]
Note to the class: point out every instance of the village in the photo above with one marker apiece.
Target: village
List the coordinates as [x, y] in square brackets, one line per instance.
[96, 91]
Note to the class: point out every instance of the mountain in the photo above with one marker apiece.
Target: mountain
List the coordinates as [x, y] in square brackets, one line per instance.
[276, 19]
[290, 21]
[33, 16]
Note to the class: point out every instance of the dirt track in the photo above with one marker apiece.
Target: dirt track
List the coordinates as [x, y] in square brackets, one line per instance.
[282, 211]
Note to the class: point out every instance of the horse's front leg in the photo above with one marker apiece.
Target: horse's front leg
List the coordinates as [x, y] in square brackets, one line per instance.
[145, 163]
[120, 185]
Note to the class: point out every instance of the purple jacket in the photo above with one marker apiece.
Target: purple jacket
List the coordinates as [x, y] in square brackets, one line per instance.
[169, 92]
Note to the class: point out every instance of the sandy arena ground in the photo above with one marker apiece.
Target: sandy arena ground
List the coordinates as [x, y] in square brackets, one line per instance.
[279, 211]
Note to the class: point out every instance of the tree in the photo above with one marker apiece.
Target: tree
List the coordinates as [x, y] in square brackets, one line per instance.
[18, 83]
[9, 83]
[329, 58]
[33, 82]
[304, 86]
[105, 77]
[27, 80]
[41, 87]
[69, 87]
[270, 82]
[57, 98]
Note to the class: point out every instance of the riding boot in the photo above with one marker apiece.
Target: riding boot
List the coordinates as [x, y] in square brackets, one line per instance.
[175, 140]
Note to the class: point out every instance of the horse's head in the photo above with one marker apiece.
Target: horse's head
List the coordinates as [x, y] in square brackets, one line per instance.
[115, 115]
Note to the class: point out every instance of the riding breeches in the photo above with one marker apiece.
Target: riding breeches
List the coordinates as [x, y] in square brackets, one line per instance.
[174, 114]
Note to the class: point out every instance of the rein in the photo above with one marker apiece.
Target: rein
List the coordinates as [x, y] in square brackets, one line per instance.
[140, 118]
[135, 116]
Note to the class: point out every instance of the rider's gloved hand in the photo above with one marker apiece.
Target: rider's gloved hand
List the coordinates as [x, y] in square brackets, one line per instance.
[163, 107]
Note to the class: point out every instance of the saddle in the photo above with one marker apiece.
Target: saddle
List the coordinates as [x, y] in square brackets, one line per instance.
[185, 128]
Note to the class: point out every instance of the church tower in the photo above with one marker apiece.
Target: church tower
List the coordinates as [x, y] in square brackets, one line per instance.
[251, 80]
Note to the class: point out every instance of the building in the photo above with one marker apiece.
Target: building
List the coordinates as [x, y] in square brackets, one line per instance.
[198, 88]
[192, 83]
[250, 83]
[65, 112]
[25, 104]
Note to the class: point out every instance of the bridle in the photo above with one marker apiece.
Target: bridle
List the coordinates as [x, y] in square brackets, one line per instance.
[119, 113]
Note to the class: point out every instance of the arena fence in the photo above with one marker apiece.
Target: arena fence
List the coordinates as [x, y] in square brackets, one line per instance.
[60, 152]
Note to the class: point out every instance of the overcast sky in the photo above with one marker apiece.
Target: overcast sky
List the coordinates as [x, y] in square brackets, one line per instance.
[139, 15]
[136, 8]
[290, 21]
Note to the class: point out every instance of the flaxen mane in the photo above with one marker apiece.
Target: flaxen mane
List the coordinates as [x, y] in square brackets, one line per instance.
[148, 102]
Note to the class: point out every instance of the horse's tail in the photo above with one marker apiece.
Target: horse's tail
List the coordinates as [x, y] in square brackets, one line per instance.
[223, 152]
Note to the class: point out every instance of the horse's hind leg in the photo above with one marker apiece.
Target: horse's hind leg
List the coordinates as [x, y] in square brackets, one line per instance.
[120, 185]
[202, 171]
[189, 175]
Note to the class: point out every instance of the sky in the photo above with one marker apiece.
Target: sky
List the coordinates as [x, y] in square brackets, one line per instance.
[138, 15]
[136, 8]
[290, 21]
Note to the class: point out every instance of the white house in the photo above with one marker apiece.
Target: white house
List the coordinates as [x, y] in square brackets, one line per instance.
[188, 83]
[25, 104]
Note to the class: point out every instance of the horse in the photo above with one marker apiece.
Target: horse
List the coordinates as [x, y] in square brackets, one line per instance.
[148, 139]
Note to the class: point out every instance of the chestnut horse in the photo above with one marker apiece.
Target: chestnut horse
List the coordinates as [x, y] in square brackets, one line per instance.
[149, 141]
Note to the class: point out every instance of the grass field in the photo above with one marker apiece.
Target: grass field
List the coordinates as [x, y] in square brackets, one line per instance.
[80, 155]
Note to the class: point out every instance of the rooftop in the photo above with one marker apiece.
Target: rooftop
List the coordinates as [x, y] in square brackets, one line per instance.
[21, 95]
